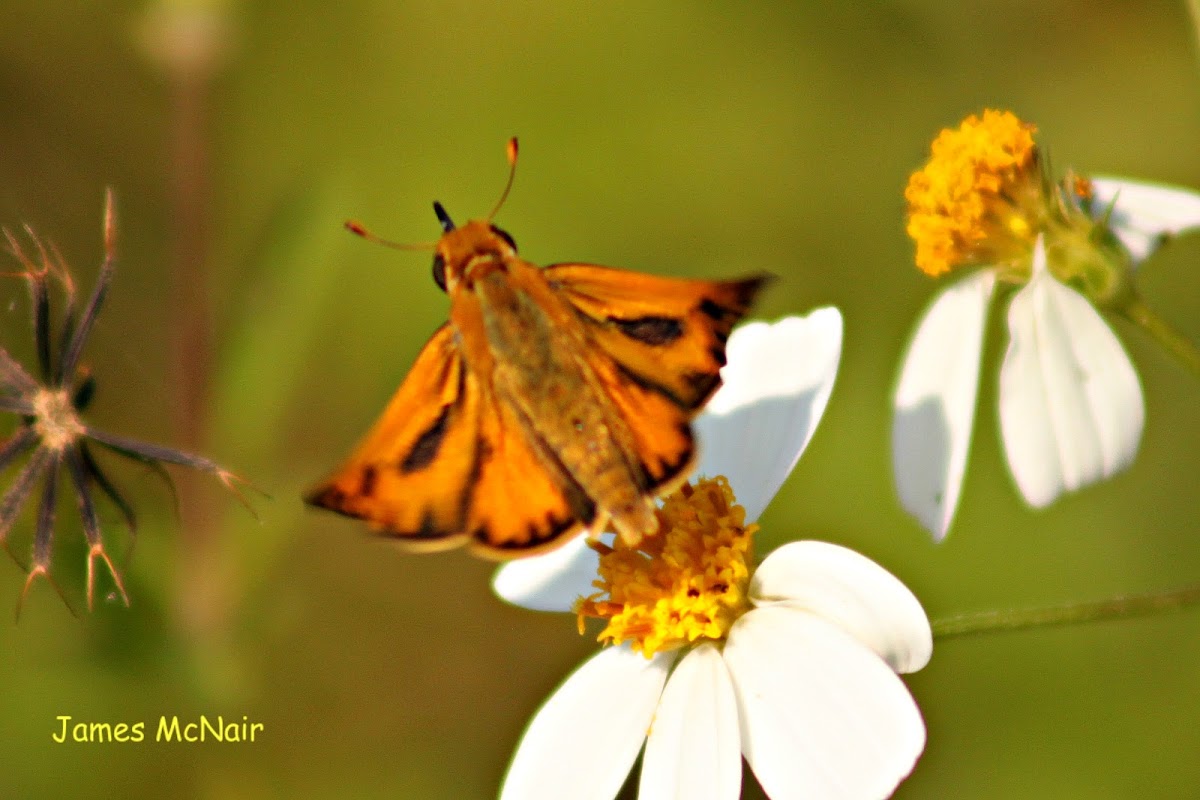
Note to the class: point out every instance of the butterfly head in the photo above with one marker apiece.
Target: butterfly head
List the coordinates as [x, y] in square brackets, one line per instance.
[468, 252]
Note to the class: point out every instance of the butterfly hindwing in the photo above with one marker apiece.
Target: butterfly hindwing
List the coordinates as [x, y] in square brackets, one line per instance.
[522, 499]
[662, 437]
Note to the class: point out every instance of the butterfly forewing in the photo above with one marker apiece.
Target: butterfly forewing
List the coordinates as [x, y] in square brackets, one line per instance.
[410, 473]
[668, 333]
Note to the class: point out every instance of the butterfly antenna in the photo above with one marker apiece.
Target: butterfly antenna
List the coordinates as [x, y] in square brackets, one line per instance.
[358, 229]
[511, 152]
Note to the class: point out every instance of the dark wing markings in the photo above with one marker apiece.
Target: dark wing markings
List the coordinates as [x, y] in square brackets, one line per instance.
[655, 331]
[425, 449]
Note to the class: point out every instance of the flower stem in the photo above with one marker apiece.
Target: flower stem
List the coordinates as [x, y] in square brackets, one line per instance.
[187, 42]
[1175, 343]
[1120, 607]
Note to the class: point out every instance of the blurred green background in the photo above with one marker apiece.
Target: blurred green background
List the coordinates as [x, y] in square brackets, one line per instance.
[687, 139]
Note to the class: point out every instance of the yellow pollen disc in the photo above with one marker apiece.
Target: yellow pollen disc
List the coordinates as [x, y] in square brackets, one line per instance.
[687, 582]
[974, 187]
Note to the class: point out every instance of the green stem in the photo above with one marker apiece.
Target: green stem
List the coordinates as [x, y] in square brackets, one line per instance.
[1120, 607]
[1176, 343]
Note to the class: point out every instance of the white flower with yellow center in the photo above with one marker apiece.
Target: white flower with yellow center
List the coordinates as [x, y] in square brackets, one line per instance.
[792, 664]
[1071, 409]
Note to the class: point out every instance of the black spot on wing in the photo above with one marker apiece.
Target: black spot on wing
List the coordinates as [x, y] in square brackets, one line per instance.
[368, 480]
[429, 528]
[744, 292]
[748, 289]
[330, 497]
[344, 503]
[702, 384]
[483, 454]
[649, 384]
[713, 310]
[656, 331]
[537, 534]
[425, 449]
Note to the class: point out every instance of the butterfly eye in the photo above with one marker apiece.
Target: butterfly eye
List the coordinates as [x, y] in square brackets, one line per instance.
[439, 271]
[504, 235]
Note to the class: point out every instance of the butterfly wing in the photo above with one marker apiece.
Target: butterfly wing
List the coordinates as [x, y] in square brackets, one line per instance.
[445, 463]
[523, 500]
[660, 346]
[668, 332]
[409, 474]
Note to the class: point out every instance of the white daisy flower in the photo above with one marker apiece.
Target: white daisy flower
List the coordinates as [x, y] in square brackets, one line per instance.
[1071, 408]
[792, 665]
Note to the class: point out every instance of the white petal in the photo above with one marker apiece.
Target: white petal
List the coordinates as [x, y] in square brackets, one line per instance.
[1071, 408]
[1145, 213]
[694, 751]
[584, 740]
[935, 402]
[854, 593]
[776, 386]
[821, 715]
[551, 582]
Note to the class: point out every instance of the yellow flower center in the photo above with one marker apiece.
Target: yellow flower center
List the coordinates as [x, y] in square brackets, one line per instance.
[980, 199]
[686, 583]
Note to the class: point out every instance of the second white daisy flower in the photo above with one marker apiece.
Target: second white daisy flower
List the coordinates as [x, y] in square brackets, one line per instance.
[1071, 407]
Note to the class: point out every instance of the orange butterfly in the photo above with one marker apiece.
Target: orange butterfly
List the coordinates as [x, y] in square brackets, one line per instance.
[554, 400]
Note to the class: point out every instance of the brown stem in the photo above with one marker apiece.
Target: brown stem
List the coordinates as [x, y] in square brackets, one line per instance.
[187, 44]
[189, 202]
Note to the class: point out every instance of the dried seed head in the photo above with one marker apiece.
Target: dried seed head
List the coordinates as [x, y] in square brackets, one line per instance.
[55, 419]
[49, 422]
